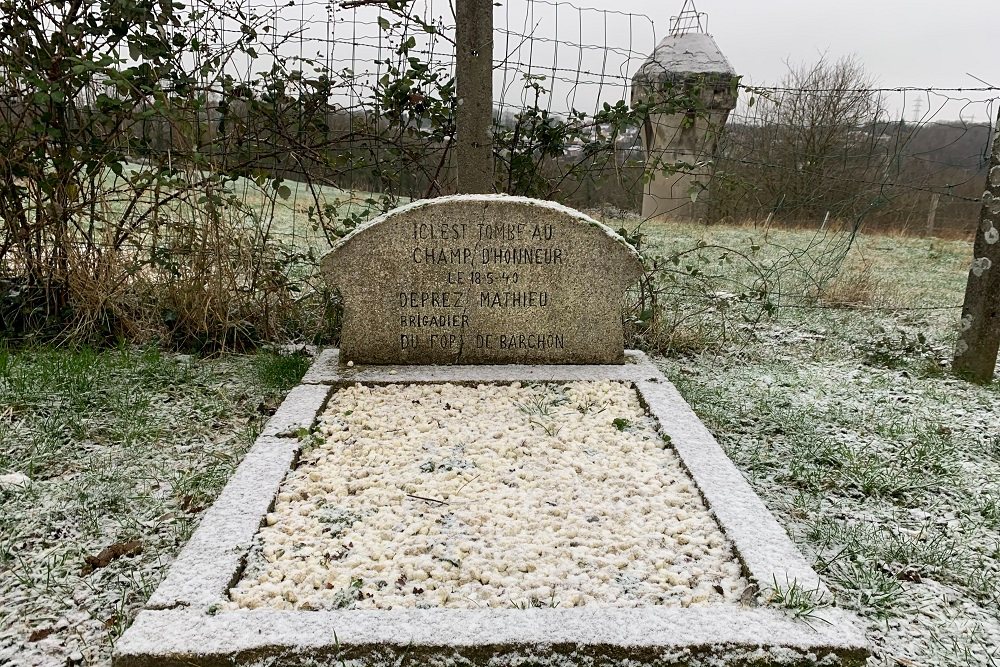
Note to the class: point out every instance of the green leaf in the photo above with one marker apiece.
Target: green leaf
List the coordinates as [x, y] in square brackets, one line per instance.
[620, 423]
[383, 23]
[284, 192]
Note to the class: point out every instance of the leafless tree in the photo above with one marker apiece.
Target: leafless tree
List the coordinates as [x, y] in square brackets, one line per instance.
[816, 143]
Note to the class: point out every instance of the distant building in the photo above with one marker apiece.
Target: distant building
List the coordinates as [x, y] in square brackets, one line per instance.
[691, 88]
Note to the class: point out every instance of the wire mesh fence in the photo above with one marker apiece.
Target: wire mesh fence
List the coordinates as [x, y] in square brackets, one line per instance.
[224, 146]
[352, 103]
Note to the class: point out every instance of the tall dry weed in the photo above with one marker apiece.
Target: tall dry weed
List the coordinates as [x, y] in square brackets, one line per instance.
[859, 284]
[206, 272]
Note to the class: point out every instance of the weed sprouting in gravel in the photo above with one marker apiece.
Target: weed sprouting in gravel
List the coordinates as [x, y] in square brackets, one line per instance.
[541, 407]
[545, 403]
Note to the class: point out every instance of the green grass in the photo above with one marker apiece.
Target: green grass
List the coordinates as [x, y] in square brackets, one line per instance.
[280, 371]
[882, 466]
[118, 445]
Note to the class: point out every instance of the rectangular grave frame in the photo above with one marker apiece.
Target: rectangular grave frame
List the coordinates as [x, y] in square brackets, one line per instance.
[182, 624]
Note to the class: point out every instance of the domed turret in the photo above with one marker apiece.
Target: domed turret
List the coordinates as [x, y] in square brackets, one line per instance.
[691, 89]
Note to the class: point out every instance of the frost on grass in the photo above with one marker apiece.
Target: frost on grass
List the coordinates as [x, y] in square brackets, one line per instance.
[884, 470]
[488, 496]
[101, 454]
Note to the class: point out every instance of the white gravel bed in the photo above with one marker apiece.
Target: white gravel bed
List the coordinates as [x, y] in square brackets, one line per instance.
[490, 496]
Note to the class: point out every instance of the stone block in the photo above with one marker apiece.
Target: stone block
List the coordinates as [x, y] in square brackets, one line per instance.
[482, 279]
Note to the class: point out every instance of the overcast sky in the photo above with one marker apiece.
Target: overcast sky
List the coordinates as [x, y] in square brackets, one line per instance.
[919, 43]
[588, 50]
[902, 43]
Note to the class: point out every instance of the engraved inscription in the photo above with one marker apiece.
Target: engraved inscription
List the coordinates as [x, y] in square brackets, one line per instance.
[507, 245]
[482, 279]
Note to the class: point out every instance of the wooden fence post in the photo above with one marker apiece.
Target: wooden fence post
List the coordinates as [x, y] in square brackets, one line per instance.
[474, 88]
[979, 340]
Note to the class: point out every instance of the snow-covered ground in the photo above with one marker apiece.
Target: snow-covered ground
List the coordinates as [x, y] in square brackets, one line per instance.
[489, 496]
[882, 466]
[888, 479]
[106, 462]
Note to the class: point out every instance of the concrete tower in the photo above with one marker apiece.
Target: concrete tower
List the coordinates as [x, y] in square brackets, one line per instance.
[686, 64]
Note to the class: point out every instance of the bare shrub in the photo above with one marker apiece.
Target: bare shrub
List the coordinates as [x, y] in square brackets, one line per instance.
[708, 295]
[813, 145]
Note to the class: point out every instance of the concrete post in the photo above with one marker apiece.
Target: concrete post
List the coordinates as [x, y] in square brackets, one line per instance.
[474, 87]
[932, 213]
[979, 340]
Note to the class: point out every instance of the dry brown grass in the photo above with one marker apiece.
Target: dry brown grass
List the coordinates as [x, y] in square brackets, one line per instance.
[859, 284]
[193, 275]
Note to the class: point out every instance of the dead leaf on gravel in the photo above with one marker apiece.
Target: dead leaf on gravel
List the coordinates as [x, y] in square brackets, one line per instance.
[108, 554]
[39, 634]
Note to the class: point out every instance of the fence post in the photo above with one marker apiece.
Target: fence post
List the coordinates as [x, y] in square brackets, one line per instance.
[979, 340]
[932, 213]
[474, 88]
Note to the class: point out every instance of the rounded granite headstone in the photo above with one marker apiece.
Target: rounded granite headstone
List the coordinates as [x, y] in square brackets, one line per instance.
[482, 279]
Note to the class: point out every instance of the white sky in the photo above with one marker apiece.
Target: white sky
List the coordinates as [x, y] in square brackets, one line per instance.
[921, 43]
[902, 43]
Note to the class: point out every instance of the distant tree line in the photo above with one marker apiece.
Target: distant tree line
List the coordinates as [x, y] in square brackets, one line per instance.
[820, 145]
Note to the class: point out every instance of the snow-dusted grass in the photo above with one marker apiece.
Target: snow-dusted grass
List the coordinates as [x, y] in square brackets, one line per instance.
[883, 468]
[114, 448]
[888, 479]
[490, 496]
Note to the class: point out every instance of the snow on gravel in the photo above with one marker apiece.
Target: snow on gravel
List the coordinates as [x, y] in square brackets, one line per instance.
[490, 496]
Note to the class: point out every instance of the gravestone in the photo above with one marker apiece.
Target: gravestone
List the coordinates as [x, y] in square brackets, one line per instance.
[457, 281]
[482, 279]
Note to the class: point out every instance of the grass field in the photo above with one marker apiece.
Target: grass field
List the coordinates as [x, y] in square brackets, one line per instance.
[882, 467]
[839, 409]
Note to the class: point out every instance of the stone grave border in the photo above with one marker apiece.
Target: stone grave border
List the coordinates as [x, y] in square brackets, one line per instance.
[182, 623]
